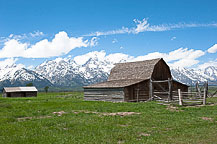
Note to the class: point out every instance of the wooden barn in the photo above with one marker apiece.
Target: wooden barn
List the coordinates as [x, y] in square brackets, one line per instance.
[19, 91]
[136, 81]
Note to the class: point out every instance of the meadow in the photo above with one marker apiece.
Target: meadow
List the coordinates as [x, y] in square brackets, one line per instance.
[66, 118]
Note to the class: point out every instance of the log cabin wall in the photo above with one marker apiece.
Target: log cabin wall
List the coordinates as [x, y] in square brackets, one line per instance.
[140, 89]
[20, 94]
[178, 85]
[104, 94]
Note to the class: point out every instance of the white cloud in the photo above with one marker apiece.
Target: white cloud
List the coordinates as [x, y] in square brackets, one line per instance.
[114, 41]
[182, 57]
[117, 57]
[94, 41]
[61, 44]
[207, 64]
[143, 26]
[173, 38]
[13, 48]
[9, 62]
[31, 67]
[213, 49]
[82, 59]
[101, 56]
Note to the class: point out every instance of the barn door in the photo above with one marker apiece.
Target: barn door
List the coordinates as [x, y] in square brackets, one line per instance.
[162, 90]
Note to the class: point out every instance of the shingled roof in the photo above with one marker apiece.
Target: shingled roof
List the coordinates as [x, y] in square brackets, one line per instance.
[126, 74]
[133, 70]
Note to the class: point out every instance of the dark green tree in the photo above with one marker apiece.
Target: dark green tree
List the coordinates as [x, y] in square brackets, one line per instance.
[46, 88]
[29, 84]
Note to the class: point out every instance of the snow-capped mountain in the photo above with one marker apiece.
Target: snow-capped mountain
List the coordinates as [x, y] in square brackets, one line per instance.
[17, 75]
[191, 76]
[67, 72]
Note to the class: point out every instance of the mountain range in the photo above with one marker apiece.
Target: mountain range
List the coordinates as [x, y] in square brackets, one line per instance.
[66, 72]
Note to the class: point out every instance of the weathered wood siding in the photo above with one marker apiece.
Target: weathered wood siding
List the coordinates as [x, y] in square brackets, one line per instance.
[20, 94]
[104, 94]
[138, 91]
[177, 85]
[161, 71]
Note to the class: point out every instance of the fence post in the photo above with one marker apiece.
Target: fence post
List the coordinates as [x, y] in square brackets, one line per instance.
[170, 89]
[204, 96]
[180, 97]
[151, 90]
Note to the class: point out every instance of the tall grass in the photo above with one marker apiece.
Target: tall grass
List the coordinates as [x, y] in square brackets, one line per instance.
[31, 120]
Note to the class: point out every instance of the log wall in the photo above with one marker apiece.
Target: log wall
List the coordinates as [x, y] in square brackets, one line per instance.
[100, 94]
[138, 92]
[20, 94]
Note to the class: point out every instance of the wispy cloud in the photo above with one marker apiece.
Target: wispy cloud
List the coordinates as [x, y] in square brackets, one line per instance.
[27, 37]
[94, 41]
[36, 34]
[144, 26]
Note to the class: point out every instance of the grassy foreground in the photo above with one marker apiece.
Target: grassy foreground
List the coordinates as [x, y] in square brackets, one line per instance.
[33, 120]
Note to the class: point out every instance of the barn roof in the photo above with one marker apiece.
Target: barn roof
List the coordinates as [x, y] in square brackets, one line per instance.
[20, 89]
[133, 70]
[114, 84]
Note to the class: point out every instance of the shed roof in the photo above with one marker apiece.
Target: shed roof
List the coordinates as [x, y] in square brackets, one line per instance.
[180, 83]
[133, 70]
[20, 89]
[115, 83]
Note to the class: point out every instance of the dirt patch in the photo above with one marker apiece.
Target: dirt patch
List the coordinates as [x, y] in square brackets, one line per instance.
[122, 125]
[108, 114]
[144, 134]
[24, 118]
[29, 118]
[207, 118]
[120, 114]
[172, 108]
[200, 105]
[60, 113]
[121, 142]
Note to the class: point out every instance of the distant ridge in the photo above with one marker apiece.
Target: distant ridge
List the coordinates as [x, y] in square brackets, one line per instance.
[67, 73]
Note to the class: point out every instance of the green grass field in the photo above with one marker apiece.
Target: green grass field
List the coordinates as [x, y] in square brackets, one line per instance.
[32, 120]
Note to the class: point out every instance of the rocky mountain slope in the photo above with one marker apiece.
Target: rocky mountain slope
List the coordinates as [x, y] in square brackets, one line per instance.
[17, 75]
[191, 76]
[67, 73]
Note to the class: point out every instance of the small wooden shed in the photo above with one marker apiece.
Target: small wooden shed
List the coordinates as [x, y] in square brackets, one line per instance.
[20, 91]
[135, 81]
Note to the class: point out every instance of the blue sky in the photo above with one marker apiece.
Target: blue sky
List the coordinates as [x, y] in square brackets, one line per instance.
[179, 31]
